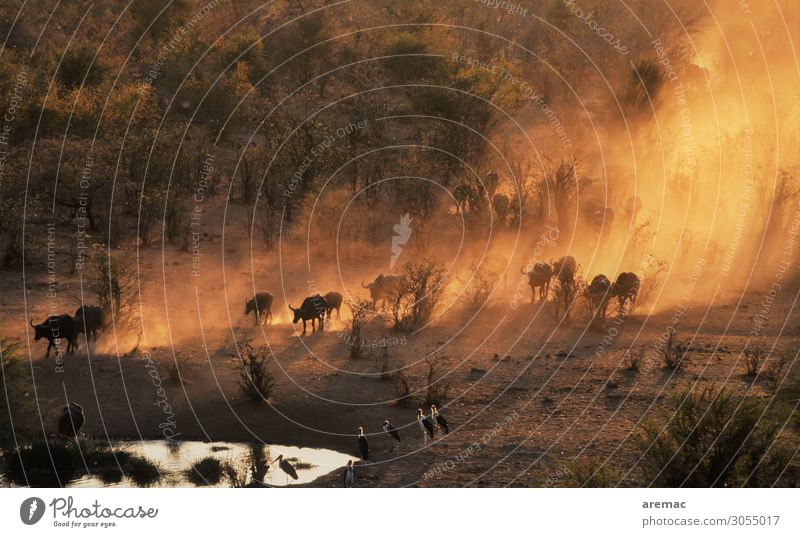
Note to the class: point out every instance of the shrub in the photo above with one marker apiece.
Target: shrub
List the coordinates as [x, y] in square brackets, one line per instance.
[255, 381]
[402, 387]
[15, 404]
[713, 439]
[382, 364]
[436, 388]
[775, 372]
[114, 285]
[753, 359]
[673, 354]
[143, 472]
[421, 290]
[591, 472]
[478, 288]
[361, 310]
[206, 471]
[180, 369]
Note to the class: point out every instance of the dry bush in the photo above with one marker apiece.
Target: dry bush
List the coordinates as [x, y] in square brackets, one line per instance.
[753, 359]
[713, 439]
[673, 354]
[421, 290]
[590, 472]
[401, 387]
[775, 371]
[255, 380]
[114, 286]
[180, 369]
[653, 275]
[361, 311]
[478, 287]
[382, 364]
[435, 388]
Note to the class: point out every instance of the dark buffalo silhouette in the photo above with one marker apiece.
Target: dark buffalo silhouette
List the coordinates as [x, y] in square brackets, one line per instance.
[89, 320]
[71, 420]
[383, 289]
[334, 302]
[626, 288]
[599, 293]
[56, 327]
[312, 309]
[539, 276]
[261, 306]
[564, 269]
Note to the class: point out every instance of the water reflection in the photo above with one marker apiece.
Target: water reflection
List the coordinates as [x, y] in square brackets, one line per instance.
[242, 464]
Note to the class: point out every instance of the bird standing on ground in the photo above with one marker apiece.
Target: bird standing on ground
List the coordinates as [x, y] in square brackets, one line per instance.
[71, 420]
[349, 475]
[363, 445]
[439, 419]
[425, 425]
[391, 430]
[287, 468]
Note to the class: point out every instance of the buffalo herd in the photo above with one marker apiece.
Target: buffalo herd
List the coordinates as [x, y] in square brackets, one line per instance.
[87, 319]
[92, 319]
[599, 292]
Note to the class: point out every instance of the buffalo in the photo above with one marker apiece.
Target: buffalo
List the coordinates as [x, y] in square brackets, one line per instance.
[383, 289]
[626, 288]
[261, 306]
[564, 269]
[599, 293]
[56, 327]
[333, 301]
[89, 320]
[539, 276]
[312, 309]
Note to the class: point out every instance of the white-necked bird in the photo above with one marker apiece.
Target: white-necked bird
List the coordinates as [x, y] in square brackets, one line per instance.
[425, 425]
[391, 430]
[439, 419]
[363, 445]
[349, 475]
